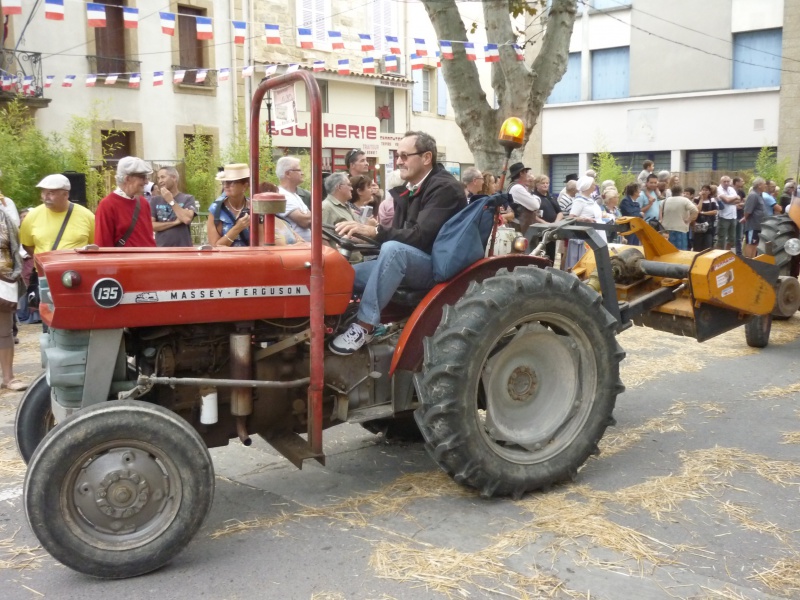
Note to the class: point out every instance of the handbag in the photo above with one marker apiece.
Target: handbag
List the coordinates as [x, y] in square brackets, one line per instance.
[701, 227]
[462, 239]
[8, 295]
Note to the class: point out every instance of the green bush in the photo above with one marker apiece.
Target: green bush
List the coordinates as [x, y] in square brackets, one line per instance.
[238, 151]
[201, 168]
[768, 167]
[607, 167]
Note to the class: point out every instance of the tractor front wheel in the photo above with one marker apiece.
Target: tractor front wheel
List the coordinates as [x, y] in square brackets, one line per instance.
[118, 489]
[34, 417]
[519, 381]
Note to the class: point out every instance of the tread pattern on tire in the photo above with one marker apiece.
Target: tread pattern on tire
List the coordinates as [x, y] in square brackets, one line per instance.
[778, 229]
[447, 413]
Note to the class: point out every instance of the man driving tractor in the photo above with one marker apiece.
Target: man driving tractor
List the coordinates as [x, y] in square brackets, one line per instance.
[430, 197]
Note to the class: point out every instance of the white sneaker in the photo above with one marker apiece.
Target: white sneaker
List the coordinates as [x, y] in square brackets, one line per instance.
[350, 341]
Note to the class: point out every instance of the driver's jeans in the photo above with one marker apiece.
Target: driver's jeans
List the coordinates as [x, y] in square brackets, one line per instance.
[377, 280]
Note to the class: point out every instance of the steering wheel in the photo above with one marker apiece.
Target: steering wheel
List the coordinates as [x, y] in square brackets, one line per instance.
[329, 233]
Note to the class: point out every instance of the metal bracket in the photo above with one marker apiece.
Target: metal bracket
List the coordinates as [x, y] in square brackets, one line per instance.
[283, 344]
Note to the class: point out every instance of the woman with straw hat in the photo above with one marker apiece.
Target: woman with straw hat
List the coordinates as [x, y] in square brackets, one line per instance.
[229, 216]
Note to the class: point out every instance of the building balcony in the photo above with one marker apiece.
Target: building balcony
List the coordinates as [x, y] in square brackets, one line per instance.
[190, 77]
[111, 65]
[21, 73]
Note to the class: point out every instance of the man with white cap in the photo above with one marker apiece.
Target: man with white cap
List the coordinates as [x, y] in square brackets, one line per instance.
[123, 217]
[57, 223]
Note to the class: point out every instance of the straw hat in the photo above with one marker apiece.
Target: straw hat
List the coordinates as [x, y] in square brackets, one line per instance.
[234, 172]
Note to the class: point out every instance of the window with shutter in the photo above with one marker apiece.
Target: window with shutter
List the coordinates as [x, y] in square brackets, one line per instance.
[383, 23]
[110, 40]
[191, 49]
[426, 90]
[757, 59]
[569, 88]
[416, 92]
[315, 15]
[611, 73]
[441, 94]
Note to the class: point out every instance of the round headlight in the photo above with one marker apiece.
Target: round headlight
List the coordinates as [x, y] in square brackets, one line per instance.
[792, 247]
[70, 279]
[520, 244]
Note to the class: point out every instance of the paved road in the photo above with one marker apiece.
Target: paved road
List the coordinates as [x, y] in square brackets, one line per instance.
[695, 495]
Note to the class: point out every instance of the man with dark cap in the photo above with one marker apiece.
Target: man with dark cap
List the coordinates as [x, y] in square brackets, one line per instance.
[525, 205]
[123, 217]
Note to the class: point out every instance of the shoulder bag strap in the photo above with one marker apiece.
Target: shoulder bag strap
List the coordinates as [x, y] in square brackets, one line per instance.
[63, 227]
[135, 218]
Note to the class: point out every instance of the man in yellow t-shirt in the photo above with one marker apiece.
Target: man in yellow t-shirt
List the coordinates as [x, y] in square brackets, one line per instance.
[39, 230]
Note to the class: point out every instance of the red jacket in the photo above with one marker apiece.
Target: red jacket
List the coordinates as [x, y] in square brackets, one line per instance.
[113, 217]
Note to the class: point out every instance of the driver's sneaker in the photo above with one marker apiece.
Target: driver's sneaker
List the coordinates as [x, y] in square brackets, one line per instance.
[350, 341]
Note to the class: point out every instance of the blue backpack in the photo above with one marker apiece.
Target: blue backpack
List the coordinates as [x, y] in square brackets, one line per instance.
[462, 239]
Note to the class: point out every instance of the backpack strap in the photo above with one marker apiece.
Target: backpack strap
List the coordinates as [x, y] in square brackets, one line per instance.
[137, 209]
[63, 226]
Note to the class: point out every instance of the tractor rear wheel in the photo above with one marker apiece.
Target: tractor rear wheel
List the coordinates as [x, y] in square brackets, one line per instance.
[775, 232]
[34, 417]
[119, 488]
[519, 381]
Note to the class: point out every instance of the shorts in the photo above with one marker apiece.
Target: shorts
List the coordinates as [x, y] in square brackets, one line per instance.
[751, 238]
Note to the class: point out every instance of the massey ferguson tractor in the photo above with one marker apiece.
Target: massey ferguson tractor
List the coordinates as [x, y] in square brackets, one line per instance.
[510, 370]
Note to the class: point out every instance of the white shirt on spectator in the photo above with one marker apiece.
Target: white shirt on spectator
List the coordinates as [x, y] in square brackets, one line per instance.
[520, 194]
[586, 208]
[727, 211]
[295, 202]
[7, 206]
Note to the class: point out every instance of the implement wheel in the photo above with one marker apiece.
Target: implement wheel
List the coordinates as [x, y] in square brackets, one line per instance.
[34, 417]
[119, 489]
[519, 381]
[757, 330]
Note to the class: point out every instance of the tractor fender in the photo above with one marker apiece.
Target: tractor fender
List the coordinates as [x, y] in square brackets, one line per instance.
[428, 314]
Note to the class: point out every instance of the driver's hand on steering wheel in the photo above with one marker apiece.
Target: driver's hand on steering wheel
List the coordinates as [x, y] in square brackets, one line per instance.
[346, 228]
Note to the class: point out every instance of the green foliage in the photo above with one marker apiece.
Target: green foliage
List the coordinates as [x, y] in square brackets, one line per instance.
[238, 151]
[768, 166]
[607, 167]
[201, 168]
[26, 155]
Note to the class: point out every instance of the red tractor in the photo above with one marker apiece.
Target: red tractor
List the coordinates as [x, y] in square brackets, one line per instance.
[510, 370]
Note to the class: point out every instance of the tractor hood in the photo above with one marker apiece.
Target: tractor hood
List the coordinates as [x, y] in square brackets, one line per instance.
[105, 288]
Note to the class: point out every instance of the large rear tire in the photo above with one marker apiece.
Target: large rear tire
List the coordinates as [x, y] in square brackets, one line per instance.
[775, 232]
[34, 418]
[519, 381]
[119, 489]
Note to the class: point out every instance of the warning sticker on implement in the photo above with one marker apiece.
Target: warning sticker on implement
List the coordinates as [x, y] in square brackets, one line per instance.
[727, 291]
[724, 263]
[725, 278]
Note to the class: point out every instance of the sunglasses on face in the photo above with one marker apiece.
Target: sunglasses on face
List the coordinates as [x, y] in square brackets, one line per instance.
[351, 155]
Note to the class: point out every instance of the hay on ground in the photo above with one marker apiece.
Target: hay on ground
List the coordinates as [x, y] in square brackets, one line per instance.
[783, 577]
[791, 437]
[777, 391]
[11, 465]
[19, 557]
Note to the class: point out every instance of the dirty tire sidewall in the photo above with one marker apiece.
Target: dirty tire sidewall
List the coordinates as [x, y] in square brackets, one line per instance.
[96, 426]
[455, 354]
[34, 418]
[757, 330]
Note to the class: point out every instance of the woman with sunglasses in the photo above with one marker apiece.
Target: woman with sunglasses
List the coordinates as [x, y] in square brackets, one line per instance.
[229, 216]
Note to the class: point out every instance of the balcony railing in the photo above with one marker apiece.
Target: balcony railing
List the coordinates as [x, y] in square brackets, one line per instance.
[108, 65]
[190, 78]
[24, 69]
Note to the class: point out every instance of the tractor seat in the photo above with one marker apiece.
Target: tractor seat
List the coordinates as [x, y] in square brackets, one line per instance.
[408, 296]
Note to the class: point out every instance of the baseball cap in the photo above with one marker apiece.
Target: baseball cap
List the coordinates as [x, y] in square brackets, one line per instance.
[54, 182]
[131, 165]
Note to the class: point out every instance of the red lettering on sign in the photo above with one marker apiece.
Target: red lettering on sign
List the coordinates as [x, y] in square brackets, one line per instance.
[353, 131]
[341, 130]
[372, 133]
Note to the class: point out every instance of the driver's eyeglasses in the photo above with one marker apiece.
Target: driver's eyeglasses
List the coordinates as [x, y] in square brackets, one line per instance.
[404, 156]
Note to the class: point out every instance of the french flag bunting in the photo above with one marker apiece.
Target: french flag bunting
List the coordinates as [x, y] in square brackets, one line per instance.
[135, 80]
[91, 79]
[239, 32]
[158, 78]
[205, 30]
[368, 64]
[54, 10]
[201, 75]
[96, 13]
[319, 65]
[177, 76]
[490, 53]
[248, 71]
[68, 80]
[224, 74]
[421, 48]
[273, 33]
[292, 68]
[416, 62]
[438, 60]
[520, 52]
[111, 79]
[270, 70]
[469, 48]
[344, 66]
[390, 63]
[130, 17]
[7, 84]
[305, 37]
[394, 45]
[335, 37]
[12, 7]
[167, 23]
[447, 50]
[48, 82]
[366, 42]
[26, 83]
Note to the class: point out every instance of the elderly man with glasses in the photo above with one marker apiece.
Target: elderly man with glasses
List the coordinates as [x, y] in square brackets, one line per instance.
[297, 214]
[123, 217]
[429, 198]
